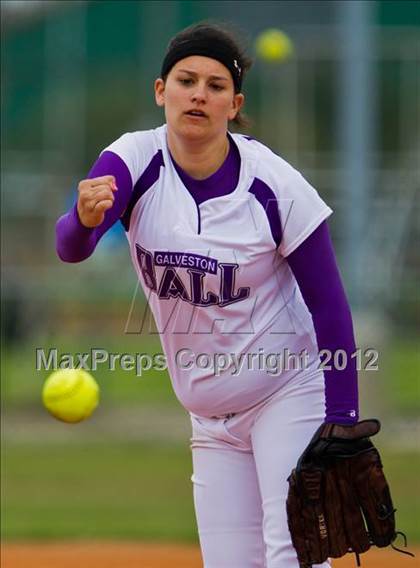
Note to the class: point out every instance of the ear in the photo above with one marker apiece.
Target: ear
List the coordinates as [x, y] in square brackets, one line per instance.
[237, 103]
[160, 92]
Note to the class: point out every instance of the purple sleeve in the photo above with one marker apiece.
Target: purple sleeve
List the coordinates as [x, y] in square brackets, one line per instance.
[315, 269]
[74, 241]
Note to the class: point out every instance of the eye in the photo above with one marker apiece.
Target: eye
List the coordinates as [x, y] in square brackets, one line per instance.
[185, 81]
[217, 87]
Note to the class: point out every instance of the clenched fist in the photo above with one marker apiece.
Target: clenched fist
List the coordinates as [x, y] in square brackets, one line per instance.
[96, 196]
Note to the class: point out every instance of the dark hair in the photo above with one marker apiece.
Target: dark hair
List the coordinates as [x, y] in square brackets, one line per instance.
[228, 42]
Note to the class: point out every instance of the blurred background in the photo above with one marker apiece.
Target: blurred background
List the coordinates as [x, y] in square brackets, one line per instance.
[344, 109]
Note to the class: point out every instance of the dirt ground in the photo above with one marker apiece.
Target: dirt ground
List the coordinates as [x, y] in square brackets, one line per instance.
[141, 555]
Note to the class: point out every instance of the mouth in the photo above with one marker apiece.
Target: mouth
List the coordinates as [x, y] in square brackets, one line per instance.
[194, 113]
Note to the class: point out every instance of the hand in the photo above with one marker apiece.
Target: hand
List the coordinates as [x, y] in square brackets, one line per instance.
[339, 500]
[96, 196]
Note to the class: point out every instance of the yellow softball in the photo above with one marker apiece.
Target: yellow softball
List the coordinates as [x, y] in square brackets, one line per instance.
[70, 395]
[274, 45]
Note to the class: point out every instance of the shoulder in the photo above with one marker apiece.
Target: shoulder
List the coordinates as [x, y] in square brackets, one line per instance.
[269, 167]
[144, 141]
[137, 149]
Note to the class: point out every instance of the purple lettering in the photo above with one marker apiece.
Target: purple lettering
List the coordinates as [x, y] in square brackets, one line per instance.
[227, 285]
[146, 265]
[171, 286]
[197, 290]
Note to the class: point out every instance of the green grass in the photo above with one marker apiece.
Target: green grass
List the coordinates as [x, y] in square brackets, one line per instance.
[400, 366]
[97, 491]
[134, 491]
[402, 473]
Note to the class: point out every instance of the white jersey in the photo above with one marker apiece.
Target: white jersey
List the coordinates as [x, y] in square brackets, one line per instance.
[215, 273]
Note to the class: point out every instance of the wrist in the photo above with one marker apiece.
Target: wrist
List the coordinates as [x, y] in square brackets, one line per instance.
[78, 221]
[341, 416]
[341, 419]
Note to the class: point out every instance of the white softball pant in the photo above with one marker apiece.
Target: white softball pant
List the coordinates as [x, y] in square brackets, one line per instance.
[241, 464]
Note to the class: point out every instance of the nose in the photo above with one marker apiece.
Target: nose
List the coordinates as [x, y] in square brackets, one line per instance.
[199, 93]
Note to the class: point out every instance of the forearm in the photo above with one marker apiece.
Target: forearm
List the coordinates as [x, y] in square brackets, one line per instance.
[74, 241]
[335, 337]
[316, 272]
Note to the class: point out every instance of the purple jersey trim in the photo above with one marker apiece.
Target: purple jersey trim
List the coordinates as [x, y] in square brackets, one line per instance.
[74, 241]
[198, 218]
[146, 180]
[222, 182]
[315, 269]
[266, 197]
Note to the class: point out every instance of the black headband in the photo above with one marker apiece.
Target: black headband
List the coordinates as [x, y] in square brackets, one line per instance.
[200, 46]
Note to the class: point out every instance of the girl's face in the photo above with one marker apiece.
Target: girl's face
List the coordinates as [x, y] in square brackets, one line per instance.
[199, 98]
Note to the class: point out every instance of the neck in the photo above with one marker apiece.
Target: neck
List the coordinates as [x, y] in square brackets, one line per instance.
[198, 159]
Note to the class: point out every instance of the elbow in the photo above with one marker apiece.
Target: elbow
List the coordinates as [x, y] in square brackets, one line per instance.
[71, 246]
[66, 256]
[68, 252]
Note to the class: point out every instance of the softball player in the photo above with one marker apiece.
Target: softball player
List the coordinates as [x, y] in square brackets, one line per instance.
[232, 248]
